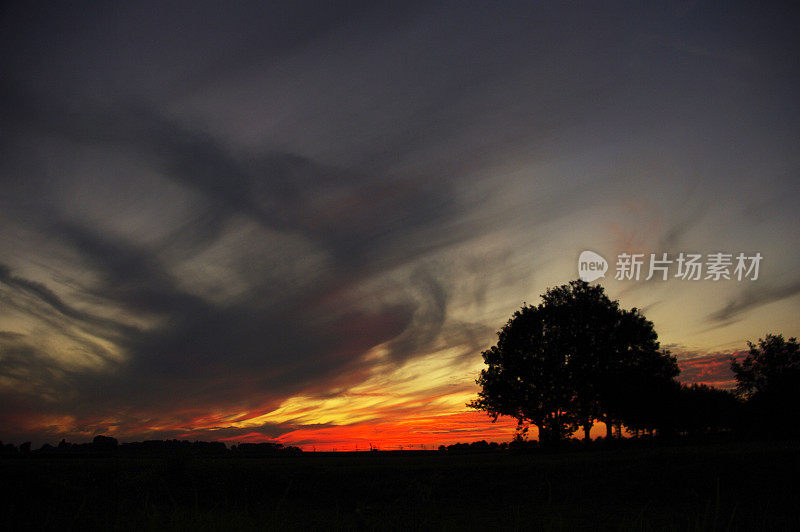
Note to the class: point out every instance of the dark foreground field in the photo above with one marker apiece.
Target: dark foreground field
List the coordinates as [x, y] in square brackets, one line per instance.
[746, 486]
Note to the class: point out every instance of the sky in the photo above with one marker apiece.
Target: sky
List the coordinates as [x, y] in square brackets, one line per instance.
[304, 221]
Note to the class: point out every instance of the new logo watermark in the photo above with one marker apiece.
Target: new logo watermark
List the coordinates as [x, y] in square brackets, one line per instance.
[686, 266]
[591, 266]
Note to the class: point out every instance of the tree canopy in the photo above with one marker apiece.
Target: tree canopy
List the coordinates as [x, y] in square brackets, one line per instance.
[769, 380]
[575, 358]
[771, 367]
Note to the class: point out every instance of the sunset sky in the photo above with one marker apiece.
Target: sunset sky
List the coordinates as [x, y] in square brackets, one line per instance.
[304, 221]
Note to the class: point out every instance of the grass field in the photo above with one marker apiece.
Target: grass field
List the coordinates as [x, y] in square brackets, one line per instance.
[744, 486]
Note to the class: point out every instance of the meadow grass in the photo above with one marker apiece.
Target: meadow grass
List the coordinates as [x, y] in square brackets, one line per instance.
[732, 486]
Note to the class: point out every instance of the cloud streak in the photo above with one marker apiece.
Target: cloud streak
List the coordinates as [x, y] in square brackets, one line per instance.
[751, 298]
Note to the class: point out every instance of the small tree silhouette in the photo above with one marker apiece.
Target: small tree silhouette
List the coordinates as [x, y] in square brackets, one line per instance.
[702, 409]
[104, 443]
[771, 367]
[769, 380]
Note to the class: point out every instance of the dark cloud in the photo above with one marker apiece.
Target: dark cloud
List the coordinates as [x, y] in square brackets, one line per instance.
[244, 352]
[198, 342]
[751, 298]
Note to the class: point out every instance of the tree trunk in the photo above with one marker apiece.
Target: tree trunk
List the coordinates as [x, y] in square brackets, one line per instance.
[556, 435]
[544, 433]
[608, 428]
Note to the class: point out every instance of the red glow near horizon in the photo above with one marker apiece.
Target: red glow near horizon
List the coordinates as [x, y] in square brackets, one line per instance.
[712, 370]
[430, 432]
[410, 425]
[410, 434]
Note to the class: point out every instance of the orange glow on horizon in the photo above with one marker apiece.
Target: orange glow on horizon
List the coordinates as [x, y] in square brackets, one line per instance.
[368, 415]
[409, 434]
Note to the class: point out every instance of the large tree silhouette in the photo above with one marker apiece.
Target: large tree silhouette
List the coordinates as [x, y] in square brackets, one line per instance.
[575, 358]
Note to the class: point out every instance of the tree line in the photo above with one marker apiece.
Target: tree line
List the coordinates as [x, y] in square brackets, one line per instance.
[104, 445]
[578, 358]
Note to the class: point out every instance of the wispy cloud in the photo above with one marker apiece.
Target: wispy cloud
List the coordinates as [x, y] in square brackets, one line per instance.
[751, 298]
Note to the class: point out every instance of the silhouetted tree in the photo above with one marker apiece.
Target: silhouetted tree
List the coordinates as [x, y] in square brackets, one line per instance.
[637, 378]
[527, 377]
[572, 360]
[104, 443]
[7, 449]
[580, 318]
[772, 366]
[769, 380]
[266, 449]
[702, 409]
